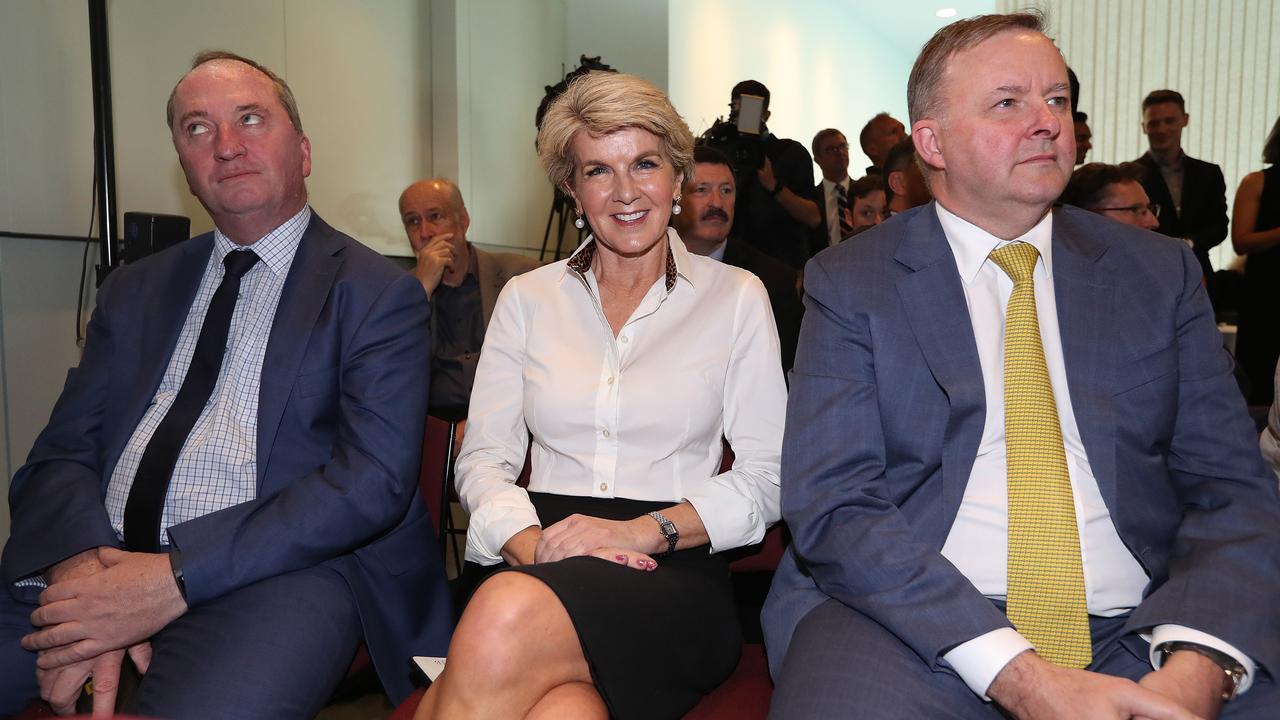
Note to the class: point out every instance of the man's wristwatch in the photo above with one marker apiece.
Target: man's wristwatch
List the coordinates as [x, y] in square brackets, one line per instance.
[668, 530]
[175, 564]
[1230, 666]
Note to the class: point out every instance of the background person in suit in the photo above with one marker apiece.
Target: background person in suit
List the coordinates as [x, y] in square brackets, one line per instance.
[461, 280]
[913, 418]
[831, 153]
[1191, 193]
[706, 226]
[285, 524]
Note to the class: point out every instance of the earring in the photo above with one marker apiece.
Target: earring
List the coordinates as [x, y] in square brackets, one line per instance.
[676, 209]
[578, 222]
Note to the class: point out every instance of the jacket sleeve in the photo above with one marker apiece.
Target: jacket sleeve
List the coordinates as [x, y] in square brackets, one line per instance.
[55, 499]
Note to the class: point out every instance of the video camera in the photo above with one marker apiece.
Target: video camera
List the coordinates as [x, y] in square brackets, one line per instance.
[741, 137]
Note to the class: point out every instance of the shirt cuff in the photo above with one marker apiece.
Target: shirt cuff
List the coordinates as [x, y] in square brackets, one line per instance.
[979, 660]
[491, 526]
[1177, 633]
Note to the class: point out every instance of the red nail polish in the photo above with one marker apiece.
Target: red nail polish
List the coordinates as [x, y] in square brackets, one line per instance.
[620, 558]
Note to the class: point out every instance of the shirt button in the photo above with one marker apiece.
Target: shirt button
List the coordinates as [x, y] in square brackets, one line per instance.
[610, 380]
[606, 432]
[604, 487]
[624, 339]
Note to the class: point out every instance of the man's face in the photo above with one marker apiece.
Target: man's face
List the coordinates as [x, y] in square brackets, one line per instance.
[868, 210]
[999, 132]
[708, 204]
[1163, 124]
[885, 133]
[1084, 138]
[1128, 203]
[243, 158]
[833, 156]
[427, 210]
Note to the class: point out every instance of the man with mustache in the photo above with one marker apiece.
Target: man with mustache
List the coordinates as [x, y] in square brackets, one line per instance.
[706, 227]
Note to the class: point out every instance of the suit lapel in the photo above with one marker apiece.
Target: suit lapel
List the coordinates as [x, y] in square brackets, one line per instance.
[305, 291]
[1085, 299]
[933, 298]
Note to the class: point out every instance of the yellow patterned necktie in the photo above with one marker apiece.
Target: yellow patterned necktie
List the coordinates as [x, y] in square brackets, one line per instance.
[1046, 600]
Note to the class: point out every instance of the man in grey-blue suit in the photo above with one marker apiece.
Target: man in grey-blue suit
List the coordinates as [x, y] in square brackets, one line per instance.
[891, 601]
[292, 528]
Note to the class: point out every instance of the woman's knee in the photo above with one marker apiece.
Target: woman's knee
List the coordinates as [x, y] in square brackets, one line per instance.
[508, 620]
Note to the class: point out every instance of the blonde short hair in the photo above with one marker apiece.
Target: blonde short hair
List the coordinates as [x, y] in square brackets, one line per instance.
[605, 102]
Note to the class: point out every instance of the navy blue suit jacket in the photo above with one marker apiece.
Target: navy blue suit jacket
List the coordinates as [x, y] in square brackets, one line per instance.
[340, 418]
[886, 412]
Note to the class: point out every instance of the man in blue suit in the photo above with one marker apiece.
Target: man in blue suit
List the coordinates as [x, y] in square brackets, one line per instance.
[899, 459]
[286, 526]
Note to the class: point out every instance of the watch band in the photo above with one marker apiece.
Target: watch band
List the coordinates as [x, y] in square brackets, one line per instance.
[175, 564]
[1230, 666]
[668, 530]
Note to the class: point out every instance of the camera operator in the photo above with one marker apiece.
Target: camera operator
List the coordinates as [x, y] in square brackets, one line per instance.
[774, 175]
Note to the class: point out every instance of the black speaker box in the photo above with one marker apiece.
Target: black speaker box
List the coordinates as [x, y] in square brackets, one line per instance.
[146, 233]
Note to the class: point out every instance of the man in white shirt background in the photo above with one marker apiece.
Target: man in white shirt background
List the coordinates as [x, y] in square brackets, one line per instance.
[913, 419]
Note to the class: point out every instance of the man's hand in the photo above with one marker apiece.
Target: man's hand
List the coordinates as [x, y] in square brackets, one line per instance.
[84, 617]
[765, 176]
[1193, 681]
[434, 257]
[81, 564]
[627, 542]
[61, 687]
[1030, 688]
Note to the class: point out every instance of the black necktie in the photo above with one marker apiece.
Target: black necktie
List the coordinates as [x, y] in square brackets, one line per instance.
[146, 497]
[846, 227]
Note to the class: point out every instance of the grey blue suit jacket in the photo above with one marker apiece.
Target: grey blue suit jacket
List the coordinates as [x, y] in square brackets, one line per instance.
[340, 419]
[886, 412]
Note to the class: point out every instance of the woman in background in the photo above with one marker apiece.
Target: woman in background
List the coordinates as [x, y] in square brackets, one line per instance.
[1255, 232]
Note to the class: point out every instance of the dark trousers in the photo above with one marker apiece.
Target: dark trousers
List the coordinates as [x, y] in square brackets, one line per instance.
[274, 649]
[842, 664]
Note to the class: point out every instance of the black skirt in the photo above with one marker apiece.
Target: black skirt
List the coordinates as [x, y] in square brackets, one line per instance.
[656, 642]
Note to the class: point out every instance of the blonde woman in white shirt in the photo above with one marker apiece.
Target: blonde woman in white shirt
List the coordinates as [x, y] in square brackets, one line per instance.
[627, 364]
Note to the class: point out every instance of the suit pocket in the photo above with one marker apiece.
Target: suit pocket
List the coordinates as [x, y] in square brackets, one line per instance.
[317, 383]
[408, 546]
[1147, 368]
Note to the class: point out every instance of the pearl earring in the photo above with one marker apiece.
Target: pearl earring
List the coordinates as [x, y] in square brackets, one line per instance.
[676, 209]
[578, 222]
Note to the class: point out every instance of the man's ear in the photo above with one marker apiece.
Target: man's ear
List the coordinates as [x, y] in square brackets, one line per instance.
[925, 136]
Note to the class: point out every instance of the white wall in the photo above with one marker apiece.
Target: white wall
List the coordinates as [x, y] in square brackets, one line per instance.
[827, 63]
[369, 140]
[1223, 56]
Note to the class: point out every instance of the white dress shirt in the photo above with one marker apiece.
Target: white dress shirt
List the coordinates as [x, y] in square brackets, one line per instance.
[832, 192]
[639, 415]
[978, 541]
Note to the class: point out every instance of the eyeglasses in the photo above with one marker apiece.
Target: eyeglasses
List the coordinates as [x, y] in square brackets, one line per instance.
[1138, 210]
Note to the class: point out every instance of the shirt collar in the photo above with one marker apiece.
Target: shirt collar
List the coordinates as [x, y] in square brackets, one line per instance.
[678, 263]
[827, 185]
[971, 244]
[275, 249]
[1172, 162]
